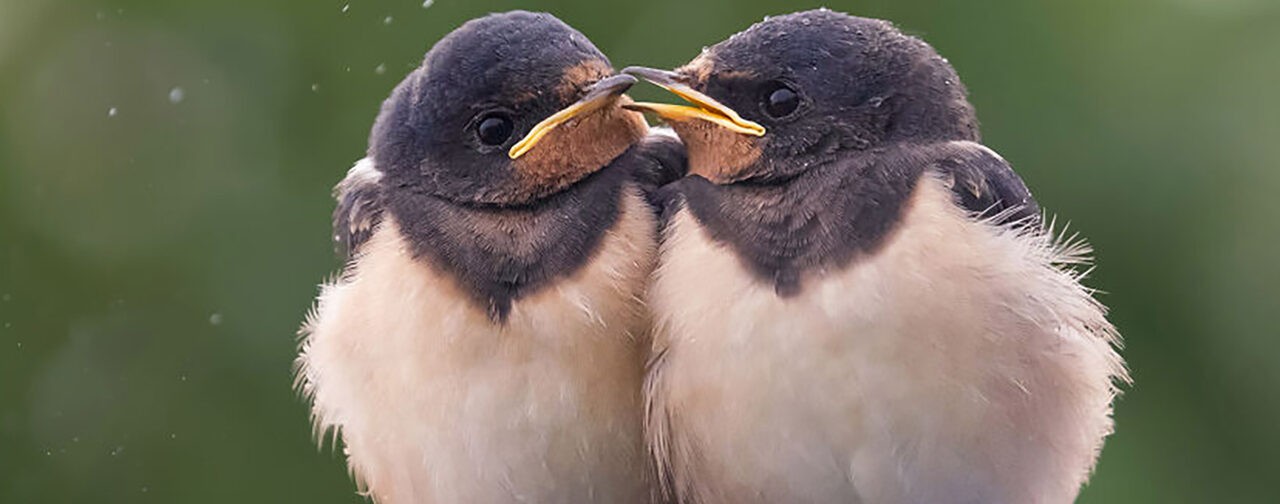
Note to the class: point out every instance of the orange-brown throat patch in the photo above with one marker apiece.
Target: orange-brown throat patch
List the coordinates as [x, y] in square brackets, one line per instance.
[580, 147]
[715, 153]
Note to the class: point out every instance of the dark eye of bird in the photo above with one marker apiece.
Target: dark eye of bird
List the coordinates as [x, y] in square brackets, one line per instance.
[494, 129]
[779, 100]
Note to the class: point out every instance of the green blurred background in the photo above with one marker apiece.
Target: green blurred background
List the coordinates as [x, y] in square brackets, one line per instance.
[165, 170]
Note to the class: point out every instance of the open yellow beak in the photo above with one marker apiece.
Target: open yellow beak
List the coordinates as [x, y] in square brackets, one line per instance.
[706, 109]
[600, 94]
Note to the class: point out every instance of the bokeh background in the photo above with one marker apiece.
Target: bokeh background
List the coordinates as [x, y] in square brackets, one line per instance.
[165, 170]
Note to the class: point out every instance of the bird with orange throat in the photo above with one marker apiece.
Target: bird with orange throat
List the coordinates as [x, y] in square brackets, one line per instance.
[856, 300]
[486, 341]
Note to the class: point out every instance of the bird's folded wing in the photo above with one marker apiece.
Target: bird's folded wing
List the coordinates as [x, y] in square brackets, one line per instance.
[985, 184]
[359, 207]
[657, 160]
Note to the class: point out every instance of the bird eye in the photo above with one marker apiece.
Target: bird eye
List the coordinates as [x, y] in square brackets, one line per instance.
[494, 129]
[779, 100]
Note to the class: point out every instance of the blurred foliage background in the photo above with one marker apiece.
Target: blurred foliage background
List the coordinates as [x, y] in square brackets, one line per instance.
[165, 170]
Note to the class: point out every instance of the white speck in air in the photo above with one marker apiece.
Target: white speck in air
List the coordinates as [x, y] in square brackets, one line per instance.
[426, 4]
[111, 112]
[380, 69]
[215, 319]
[115, 452]
[387, 20]
[101, 15]
[176, 95]
[315, 87]
[346, 7]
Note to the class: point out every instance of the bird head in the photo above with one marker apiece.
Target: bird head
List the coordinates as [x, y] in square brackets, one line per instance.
[506, 109]
[795, 91]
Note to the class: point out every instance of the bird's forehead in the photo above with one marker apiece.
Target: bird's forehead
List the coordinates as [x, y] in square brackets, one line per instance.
[513, 82]
[700, 68]
[577, 77]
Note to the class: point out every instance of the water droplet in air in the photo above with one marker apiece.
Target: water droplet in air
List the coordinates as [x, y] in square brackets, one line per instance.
[111, 112]
[173, 435]
[426, 4]
[380, 69]
[115, 452]
[215, 319]
[346, 7]
[315, 87]
[387, 20]
[176, 95]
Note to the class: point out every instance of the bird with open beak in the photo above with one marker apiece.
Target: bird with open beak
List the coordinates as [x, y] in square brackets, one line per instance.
[856, 301]
[486, 340]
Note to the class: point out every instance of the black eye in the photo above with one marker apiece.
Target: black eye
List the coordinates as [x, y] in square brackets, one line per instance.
[494, 129]
[779, 100]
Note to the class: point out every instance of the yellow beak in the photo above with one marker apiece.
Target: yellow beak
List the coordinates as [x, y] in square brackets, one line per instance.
[600, 94]
[707, 108]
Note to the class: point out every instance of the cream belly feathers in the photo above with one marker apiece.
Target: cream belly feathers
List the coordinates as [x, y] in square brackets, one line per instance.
[437, 404]
[960, 363]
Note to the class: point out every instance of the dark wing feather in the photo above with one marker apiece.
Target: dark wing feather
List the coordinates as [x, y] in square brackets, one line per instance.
[655, 161]
[359, 209]
[986, 185]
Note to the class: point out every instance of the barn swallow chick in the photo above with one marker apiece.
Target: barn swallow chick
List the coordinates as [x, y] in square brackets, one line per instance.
[856, 301]
[486, 341]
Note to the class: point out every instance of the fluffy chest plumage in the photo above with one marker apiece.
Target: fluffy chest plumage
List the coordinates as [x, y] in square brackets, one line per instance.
[955, 364]
[436, 402]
